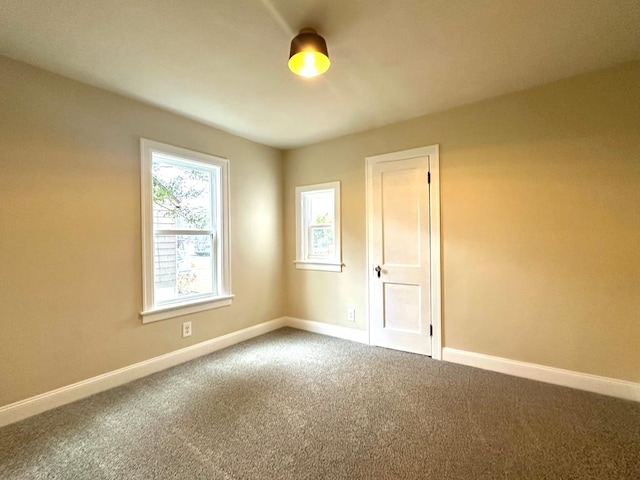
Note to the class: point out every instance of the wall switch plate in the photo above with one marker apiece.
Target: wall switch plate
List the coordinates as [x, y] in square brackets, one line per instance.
[186, 329]
[351, 314]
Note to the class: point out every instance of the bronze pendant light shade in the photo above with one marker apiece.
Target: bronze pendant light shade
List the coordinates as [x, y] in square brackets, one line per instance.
[308, 56]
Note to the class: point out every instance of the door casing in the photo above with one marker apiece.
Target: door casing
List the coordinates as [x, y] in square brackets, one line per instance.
[433, 153]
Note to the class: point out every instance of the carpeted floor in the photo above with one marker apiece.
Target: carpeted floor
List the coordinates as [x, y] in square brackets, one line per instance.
[295, 405]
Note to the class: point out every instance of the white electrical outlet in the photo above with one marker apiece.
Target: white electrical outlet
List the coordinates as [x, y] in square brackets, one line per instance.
[351, 314]
[186, 329]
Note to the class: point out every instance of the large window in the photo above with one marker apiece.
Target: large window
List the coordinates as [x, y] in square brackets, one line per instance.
[185, 231]
[318, 227]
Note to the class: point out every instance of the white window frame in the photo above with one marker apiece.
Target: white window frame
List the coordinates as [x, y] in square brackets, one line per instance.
[304, 261]
[153, 312]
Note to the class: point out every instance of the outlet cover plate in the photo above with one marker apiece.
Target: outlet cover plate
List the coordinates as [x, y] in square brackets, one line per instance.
[186, 329]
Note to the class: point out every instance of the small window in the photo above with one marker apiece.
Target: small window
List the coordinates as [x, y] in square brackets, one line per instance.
[318, 227]
[185, 231]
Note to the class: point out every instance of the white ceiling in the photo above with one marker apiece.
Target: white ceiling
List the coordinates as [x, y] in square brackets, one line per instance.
[224, 62]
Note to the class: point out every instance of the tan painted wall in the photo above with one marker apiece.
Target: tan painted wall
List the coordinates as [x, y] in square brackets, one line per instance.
[70, 251]
[540, 223]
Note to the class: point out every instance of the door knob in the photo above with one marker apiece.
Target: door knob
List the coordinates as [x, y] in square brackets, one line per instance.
[378, 269]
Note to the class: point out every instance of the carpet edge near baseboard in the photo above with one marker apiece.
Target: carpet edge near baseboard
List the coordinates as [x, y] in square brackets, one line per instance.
[26, 408]
[31, 406]
[611, 387]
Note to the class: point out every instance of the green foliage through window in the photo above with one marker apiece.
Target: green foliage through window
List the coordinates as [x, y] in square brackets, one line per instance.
[170, 196]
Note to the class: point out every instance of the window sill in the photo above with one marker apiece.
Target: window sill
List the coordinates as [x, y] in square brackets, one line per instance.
[177, 310]
[319, 265]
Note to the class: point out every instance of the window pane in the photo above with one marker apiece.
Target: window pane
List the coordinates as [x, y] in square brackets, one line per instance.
[321, 207]
[182, 266]
[321, 239]
[181, 196]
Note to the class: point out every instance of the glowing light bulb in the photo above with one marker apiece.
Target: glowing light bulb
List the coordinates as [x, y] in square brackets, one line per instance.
[309, 59]
[309, 68]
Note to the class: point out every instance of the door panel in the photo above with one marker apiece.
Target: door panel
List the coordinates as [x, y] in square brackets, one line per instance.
[401, 307]
[401, 292]
[401, 218]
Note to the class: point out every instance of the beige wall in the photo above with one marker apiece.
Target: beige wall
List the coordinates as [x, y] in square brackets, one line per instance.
[540, 223]
[70, 251]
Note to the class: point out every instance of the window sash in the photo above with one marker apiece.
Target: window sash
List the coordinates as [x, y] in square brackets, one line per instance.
[215, 277]
[153, 308]
[306, 224]
[177, 231]
[159, 158]
[309, 243]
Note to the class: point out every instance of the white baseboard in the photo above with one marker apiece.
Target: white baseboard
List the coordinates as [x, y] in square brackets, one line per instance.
[61, 396]
[32, 406]
[360, 336]
[567, 378]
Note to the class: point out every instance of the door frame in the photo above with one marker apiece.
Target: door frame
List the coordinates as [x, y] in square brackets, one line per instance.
[433, 153]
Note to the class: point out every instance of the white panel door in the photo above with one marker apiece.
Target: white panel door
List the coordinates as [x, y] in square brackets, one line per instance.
[400, 287]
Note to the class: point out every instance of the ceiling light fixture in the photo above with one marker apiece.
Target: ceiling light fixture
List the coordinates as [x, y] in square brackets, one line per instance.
[308, 56]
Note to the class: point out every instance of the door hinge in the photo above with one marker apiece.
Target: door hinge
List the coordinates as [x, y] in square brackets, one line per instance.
[431, 330]
[428, 177]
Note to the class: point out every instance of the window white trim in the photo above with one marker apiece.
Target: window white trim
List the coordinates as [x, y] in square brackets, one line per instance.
[304, 261]
[152, 312]
[185, 308]
[322, 266]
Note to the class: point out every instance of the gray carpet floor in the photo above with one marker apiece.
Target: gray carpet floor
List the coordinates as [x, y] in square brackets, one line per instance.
[295, 405]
